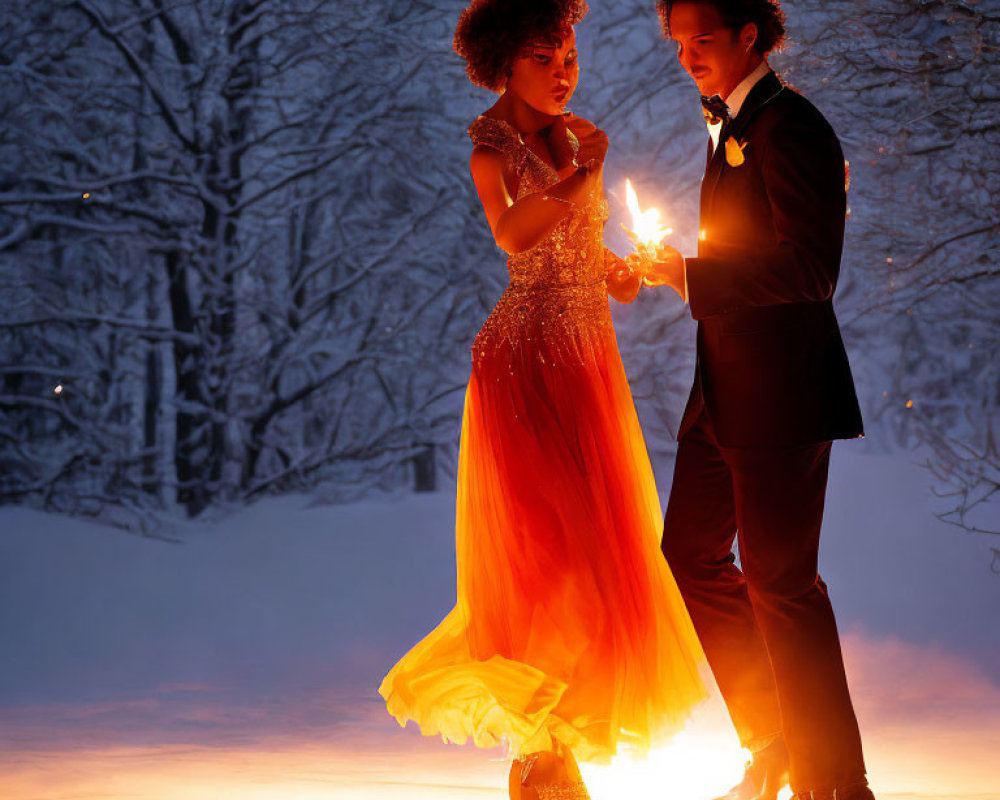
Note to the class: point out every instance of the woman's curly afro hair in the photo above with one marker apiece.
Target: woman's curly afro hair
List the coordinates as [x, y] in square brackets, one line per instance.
[765, 14]
[492, 33]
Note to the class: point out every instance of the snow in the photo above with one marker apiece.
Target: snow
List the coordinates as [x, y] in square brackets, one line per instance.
[241, 661]
[330, 280]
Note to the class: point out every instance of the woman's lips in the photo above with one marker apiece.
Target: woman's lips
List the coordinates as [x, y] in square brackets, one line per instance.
[560, 94]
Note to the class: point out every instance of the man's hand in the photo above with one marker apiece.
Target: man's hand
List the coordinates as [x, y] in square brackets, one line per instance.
[667, 269]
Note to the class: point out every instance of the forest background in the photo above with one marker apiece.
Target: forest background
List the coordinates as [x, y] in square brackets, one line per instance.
[240, 253]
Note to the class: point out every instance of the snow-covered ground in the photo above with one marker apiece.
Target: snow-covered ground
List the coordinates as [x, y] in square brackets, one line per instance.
[241, 661]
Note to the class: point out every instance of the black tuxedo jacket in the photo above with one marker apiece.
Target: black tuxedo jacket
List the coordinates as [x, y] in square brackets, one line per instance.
[772, 370]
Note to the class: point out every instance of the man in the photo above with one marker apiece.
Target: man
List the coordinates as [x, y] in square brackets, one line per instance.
[772, 389]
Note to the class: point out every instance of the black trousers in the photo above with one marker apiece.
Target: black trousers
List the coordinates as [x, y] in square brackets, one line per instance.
[767, 626]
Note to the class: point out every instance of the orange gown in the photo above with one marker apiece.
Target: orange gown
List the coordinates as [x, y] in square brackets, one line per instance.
[568, 623]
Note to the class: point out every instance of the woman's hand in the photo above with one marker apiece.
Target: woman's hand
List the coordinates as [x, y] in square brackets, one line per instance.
[559, 145]
[624, 277]
[593, 147]
[579, 185]
[593, 141]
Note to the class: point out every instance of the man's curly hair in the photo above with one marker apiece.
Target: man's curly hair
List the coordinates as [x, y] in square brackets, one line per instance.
[492, 33]
[767, 15]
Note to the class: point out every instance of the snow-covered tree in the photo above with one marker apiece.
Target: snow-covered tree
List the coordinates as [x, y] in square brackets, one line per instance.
[913, 89]
[282, 231]
[241, 236]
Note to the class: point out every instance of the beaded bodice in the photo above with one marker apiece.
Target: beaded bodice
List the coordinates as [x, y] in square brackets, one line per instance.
[573, 252]
[557, 295]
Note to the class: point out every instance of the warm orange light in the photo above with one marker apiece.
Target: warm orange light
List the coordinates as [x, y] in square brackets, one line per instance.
[646, 229]
[702, 234]
[702, 761]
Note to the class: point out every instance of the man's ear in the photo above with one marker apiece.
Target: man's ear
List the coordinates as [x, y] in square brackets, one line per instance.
[748, 36]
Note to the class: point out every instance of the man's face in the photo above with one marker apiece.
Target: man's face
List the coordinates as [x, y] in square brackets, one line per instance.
[716, 57]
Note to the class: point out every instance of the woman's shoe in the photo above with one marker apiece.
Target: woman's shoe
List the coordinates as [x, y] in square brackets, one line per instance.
[547, 775]
[563, 791]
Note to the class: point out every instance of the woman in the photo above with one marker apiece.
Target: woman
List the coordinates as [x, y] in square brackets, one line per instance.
[569, 636]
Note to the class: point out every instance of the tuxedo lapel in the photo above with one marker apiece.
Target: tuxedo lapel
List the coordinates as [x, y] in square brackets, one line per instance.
[712, 171]
[763, 92]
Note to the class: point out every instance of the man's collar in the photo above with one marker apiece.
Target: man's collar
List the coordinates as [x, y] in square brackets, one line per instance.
[739, 94]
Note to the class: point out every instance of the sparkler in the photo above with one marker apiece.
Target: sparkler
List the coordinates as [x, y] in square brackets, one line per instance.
[646, 232]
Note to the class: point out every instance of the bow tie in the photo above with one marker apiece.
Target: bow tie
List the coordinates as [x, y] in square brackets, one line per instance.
[715, 109]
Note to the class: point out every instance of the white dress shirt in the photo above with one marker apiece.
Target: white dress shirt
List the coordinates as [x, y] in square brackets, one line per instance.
[735, 102]
[736, 97]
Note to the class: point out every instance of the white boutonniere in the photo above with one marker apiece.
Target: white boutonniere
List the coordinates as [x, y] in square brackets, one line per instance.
[734, 152]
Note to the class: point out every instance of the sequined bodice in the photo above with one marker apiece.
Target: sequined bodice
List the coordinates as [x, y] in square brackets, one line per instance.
[573, 252]
[557, 296]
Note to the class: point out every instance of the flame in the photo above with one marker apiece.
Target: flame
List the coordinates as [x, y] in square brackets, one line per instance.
[646, 228]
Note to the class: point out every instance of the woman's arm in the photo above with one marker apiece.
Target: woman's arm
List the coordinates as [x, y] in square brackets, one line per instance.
[519, 225]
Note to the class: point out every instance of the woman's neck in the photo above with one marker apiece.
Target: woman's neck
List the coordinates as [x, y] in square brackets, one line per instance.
[518, 113]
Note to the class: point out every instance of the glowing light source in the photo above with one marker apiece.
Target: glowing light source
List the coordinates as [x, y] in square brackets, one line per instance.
[57, 389]
[86, 195]
[646, 230]
[696, 765]
[704, 760]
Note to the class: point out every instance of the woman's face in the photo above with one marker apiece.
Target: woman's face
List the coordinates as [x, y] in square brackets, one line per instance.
[546, 74]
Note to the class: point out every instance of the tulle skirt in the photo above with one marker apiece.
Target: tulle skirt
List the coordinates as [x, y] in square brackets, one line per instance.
[568, 623]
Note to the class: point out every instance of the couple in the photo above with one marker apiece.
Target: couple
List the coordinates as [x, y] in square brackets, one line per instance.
[583, 621]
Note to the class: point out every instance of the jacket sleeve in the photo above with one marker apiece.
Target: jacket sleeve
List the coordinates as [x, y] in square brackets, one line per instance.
[802, 167]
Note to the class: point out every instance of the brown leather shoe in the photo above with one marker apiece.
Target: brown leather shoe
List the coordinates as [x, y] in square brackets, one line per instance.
[766, 774]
